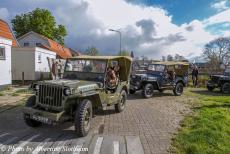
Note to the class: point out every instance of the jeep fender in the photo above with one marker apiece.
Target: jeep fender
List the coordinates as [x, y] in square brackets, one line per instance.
[181, 81]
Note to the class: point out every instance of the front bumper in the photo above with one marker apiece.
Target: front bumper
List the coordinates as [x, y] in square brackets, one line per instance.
[212, 84]
[134, 87]
[45, 117]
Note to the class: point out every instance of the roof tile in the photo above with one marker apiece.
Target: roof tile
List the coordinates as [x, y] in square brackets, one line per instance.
[60, 50]
[6, 32]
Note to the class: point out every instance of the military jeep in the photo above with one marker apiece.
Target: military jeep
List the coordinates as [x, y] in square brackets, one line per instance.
[161, 76]
[220, 81]
[82, 89]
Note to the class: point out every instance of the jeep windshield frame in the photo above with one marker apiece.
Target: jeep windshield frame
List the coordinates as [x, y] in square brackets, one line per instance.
[156, 67]
[227, 72]
[85, 69]
[86, 66]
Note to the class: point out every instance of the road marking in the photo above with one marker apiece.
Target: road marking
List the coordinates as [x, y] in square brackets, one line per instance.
[61, 144]
[8, 141]
[40, 146]
[98, 145]
[134, 145]
[116, 147]
[4, 134]
[20, 147]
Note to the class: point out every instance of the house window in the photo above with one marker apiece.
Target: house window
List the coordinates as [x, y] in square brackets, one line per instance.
[38, 44]
[26, 44]
[39, 58]
[2, 53]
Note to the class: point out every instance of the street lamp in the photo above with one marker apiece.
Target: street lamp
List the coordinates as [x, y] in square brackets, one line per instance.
[117, 31]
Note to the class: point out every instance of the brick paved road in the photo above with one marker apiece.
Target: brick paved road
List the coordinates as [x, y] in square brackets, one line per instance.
[154, 120]
[145, 125]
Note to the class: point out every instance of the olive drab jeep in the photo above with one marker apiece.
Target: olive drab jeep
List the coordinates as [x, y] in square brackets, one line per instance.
[84, 87]
[161, 76]
[220, 81]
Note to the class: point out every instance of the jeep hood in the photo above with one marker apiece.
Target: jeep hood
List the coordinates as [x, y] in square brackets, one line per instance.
[217, 75]
[75, 84]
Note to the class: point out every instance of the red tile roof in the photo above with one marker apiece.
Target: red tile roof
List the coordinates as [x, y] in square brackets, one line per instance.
[6, 32]
[60, 50]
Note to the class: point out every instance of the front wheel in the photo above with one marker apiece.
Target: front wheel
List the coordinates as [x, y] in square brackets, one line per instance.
[83, 118]
[178, 90]
[120, 106]
[225, 88]
[30, 122]
[147, 91]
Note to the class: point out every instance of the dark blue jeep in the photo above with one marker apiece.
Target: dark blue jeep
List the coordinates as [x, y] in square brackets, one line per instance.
[161, 76]
[220, 81]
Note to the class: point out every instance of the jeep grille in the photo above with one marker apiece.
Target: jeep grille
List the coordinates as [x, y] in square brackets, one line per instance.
[50, 96]
[215, 79]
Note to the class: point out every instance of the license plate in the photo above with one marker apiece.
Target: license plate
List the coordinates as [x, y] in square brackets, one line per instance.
[41, 119]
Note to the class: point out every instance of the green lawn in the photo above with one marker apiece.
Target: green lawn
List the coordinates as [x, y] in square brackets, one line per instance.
[207, 128]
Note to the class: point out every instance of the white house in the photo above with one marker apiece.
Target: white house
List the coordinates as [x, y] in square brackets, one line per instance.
[7, 40]
[32, 39]
[30, 63]
[5, 62]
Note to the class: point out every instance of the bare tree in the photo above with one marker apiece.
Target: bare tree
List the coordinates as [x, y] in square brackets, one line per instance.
[169, 58]
[217, 52]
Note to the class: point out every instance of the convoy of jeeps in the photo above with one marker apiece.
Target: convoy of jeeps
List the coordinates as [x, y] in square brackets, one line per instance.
[96, 82]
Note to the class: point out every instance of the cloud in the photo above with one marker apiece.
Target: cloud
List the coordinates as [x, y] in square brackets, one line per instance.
[4, 14]
[220, 5]
[146, 30]
[223, 16]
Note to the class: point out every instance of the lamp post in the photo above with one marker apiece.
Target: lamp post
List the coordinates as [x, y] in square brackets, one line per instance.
[117, 31]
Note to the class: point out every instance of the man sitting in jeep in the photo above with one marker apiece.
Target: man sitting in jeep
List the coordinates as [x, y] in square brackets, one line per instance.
[111, 77]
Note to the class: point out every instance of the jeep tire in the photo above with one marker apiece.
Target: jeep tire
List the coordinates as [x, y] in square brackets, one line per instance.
[83, 118]
[131, 91]
[178, 89]
[30, 122]
[120, 106]
[147, 91]
[210, 88]
[225, 88]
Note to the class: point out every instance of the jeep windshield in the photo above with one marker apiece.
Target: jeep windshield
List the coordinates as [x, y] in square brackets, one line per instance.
[227, 72]
[156, 67]
[85, 69]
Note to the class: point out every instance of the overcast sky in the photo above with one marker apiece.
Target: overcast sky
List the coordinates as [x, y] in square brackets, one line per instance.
[152, 28]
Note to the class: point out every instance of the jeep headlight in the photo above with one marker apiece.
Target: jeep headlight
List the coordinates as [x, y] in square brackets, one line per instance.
[36, 87]
[137, 83]
[67, 92]
[133, 76]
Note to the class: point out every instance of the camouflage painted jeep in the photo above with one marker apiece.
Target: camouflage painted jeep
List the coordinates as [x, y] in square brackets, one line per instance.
[82, 89]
